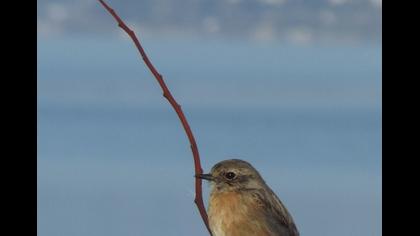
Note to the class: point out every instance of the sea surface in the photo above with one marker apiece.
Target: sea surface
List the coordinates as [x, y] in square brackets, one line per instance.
[113, 158]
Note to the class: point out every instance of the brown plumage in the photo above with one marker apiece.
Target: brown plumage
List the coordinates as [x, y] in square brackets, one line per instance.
[242, 204]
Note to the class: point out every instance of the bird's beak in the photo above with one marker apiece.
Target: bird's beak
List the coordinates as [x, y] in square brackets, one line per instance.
[208, 177]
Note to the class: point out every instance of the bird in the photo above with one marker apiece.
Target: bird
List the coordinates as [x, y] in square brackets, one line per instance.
[242, 204]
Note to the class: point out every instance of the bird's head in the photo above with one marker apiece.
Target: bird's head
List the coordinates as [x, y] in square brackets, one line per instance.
[233, 175]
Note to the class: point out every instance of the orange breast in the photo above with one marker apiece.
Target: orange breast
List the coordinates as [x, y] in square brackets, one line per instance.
[232, 214]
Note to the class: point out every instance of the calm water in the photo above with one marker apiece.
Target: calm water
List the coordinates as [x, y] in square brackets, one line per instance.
[114, 160]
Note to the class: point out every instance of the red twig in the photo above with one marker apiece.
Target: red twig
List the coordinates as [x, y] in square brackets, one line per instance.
[167, 94]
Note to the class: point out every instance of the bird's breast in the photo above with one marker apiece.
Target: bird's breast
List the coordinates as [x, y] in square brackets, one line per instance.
[234, 214]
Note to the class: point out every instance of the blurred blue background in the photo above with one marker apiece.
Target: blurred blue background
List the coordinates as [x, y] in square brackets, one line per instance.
[294, 87]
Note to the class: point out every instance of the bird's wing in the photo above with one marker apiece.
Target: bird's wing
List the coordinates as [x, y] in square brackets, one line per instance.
[274, 210]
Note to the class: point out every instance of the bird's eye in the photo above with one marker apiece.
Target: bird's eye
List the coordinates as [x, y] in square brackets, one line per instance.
[230, 175]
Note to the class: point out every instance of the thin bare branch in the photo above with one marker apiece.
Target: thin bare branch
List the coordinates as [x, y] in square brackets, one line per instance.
[167, 94]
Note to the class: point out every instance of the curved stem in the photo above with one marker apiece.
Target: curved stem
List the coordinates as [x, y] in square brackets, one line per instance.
[167, 94]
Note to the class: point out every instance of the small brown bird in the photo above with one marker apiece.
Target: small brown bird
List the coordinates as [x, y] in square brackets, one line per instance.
[242, 204]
